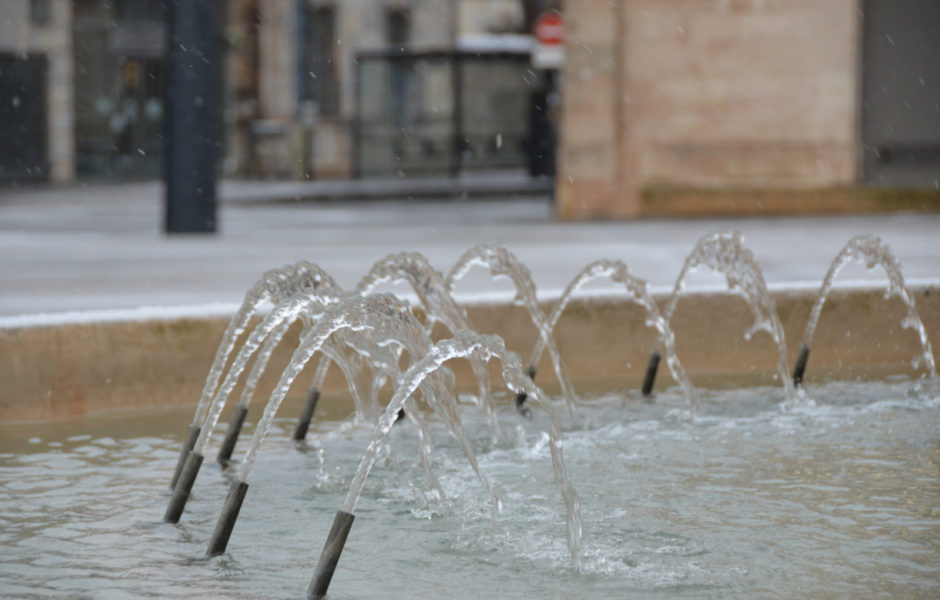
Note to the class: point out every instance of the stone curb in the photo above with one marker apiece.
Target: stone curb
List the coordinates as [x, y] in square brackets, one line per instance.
[68, 371]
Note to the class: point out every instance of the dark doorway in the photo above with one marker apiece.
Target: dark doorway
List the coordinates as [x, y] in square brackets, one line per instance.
[23, 117]
[901, 93]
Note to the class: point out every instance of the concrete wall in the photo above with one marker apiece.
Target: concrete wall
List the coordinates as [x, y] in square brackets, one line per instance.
[54, 40]
[705, 94]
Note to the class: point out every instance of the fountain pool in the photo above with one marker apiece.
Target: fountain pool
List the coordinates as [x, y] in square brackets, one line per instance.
[826, 490]
[834, 500]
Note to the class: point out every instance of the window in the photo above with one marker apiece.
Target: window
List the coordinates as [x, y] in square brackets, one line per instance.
[140, 11]
[397, 27]
[39, 12]
[319, 44]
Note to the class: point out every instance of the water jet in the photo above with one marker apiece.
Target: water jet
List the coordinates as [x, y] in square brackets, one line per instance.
[347, 315]
[873, 252]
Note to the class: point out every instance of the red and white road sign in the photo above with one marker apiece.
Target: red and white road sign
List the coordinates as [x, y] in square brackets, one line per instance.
[549, 32]
[549, 28]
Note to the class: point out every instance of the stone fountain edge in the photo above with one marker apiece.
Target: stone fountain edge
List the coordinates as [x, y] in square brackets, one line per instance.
[69, 370]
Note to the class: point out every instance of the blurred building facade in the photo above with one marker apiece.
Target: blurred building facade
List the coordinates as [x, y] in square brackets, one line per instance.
[292, 67]
[320, 88]
[665, 103]
[36, 91]
[82, 80]
[674, 101]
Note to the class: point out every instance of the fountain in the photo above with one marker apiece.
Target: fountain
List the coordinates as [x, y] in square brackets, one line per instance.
[439, 306]
[273, 285]
[386, 321]
[377, 334]
[503, 263]
[465, 344]
[719, 489]
[636, 292]
[436, 299]
[727, 254]
[875, 253]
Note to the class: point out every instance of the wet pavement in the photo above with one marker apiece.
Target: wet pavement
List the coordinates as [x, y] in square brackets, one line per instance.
[100, 246]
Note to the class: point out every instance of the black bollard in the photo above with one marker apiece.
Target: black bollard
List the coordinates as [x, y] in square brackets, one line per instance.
[651, 368]
[800, 367]
[191, 436]
[522, 396]
[226, 522]
[231, 436]
[342, 522]
[183, 487]
[192, 123]
[306, 415]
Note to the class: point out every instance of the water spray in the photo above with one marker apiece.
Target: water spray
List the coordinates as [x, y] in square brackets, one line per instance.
[873, 252]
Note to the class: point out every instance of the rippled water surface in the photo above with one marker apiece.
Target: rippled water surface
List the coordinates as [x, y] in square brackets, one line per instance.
[745, 501]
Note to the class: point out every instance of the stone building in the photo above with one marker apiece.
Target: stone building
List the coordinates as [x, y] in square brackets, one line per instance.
[82, 80]
[704, 106]
[294, 70]
[80, 88]
[293, 74]
[36, 117]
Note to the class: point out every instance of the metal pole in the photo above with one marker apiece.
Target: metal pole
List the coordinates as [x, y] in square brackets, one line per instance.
[800, 367]
[651, 369]
[310, 406]
[231, 436]
[192, 101]
[330, 555]
[522, 396]
[457, 66]
[226, 522]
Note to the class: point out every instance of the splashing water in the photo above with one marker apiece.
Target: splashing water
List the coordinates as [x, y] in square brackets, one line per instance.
[388, 321]
[727, 254]
[274, 285]
[439, 305]
[261, 361]
[637, 291]
[503, 263]
[285, 312]
[873, 252]
[426, 282]
[464, 344]
[368, 336]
